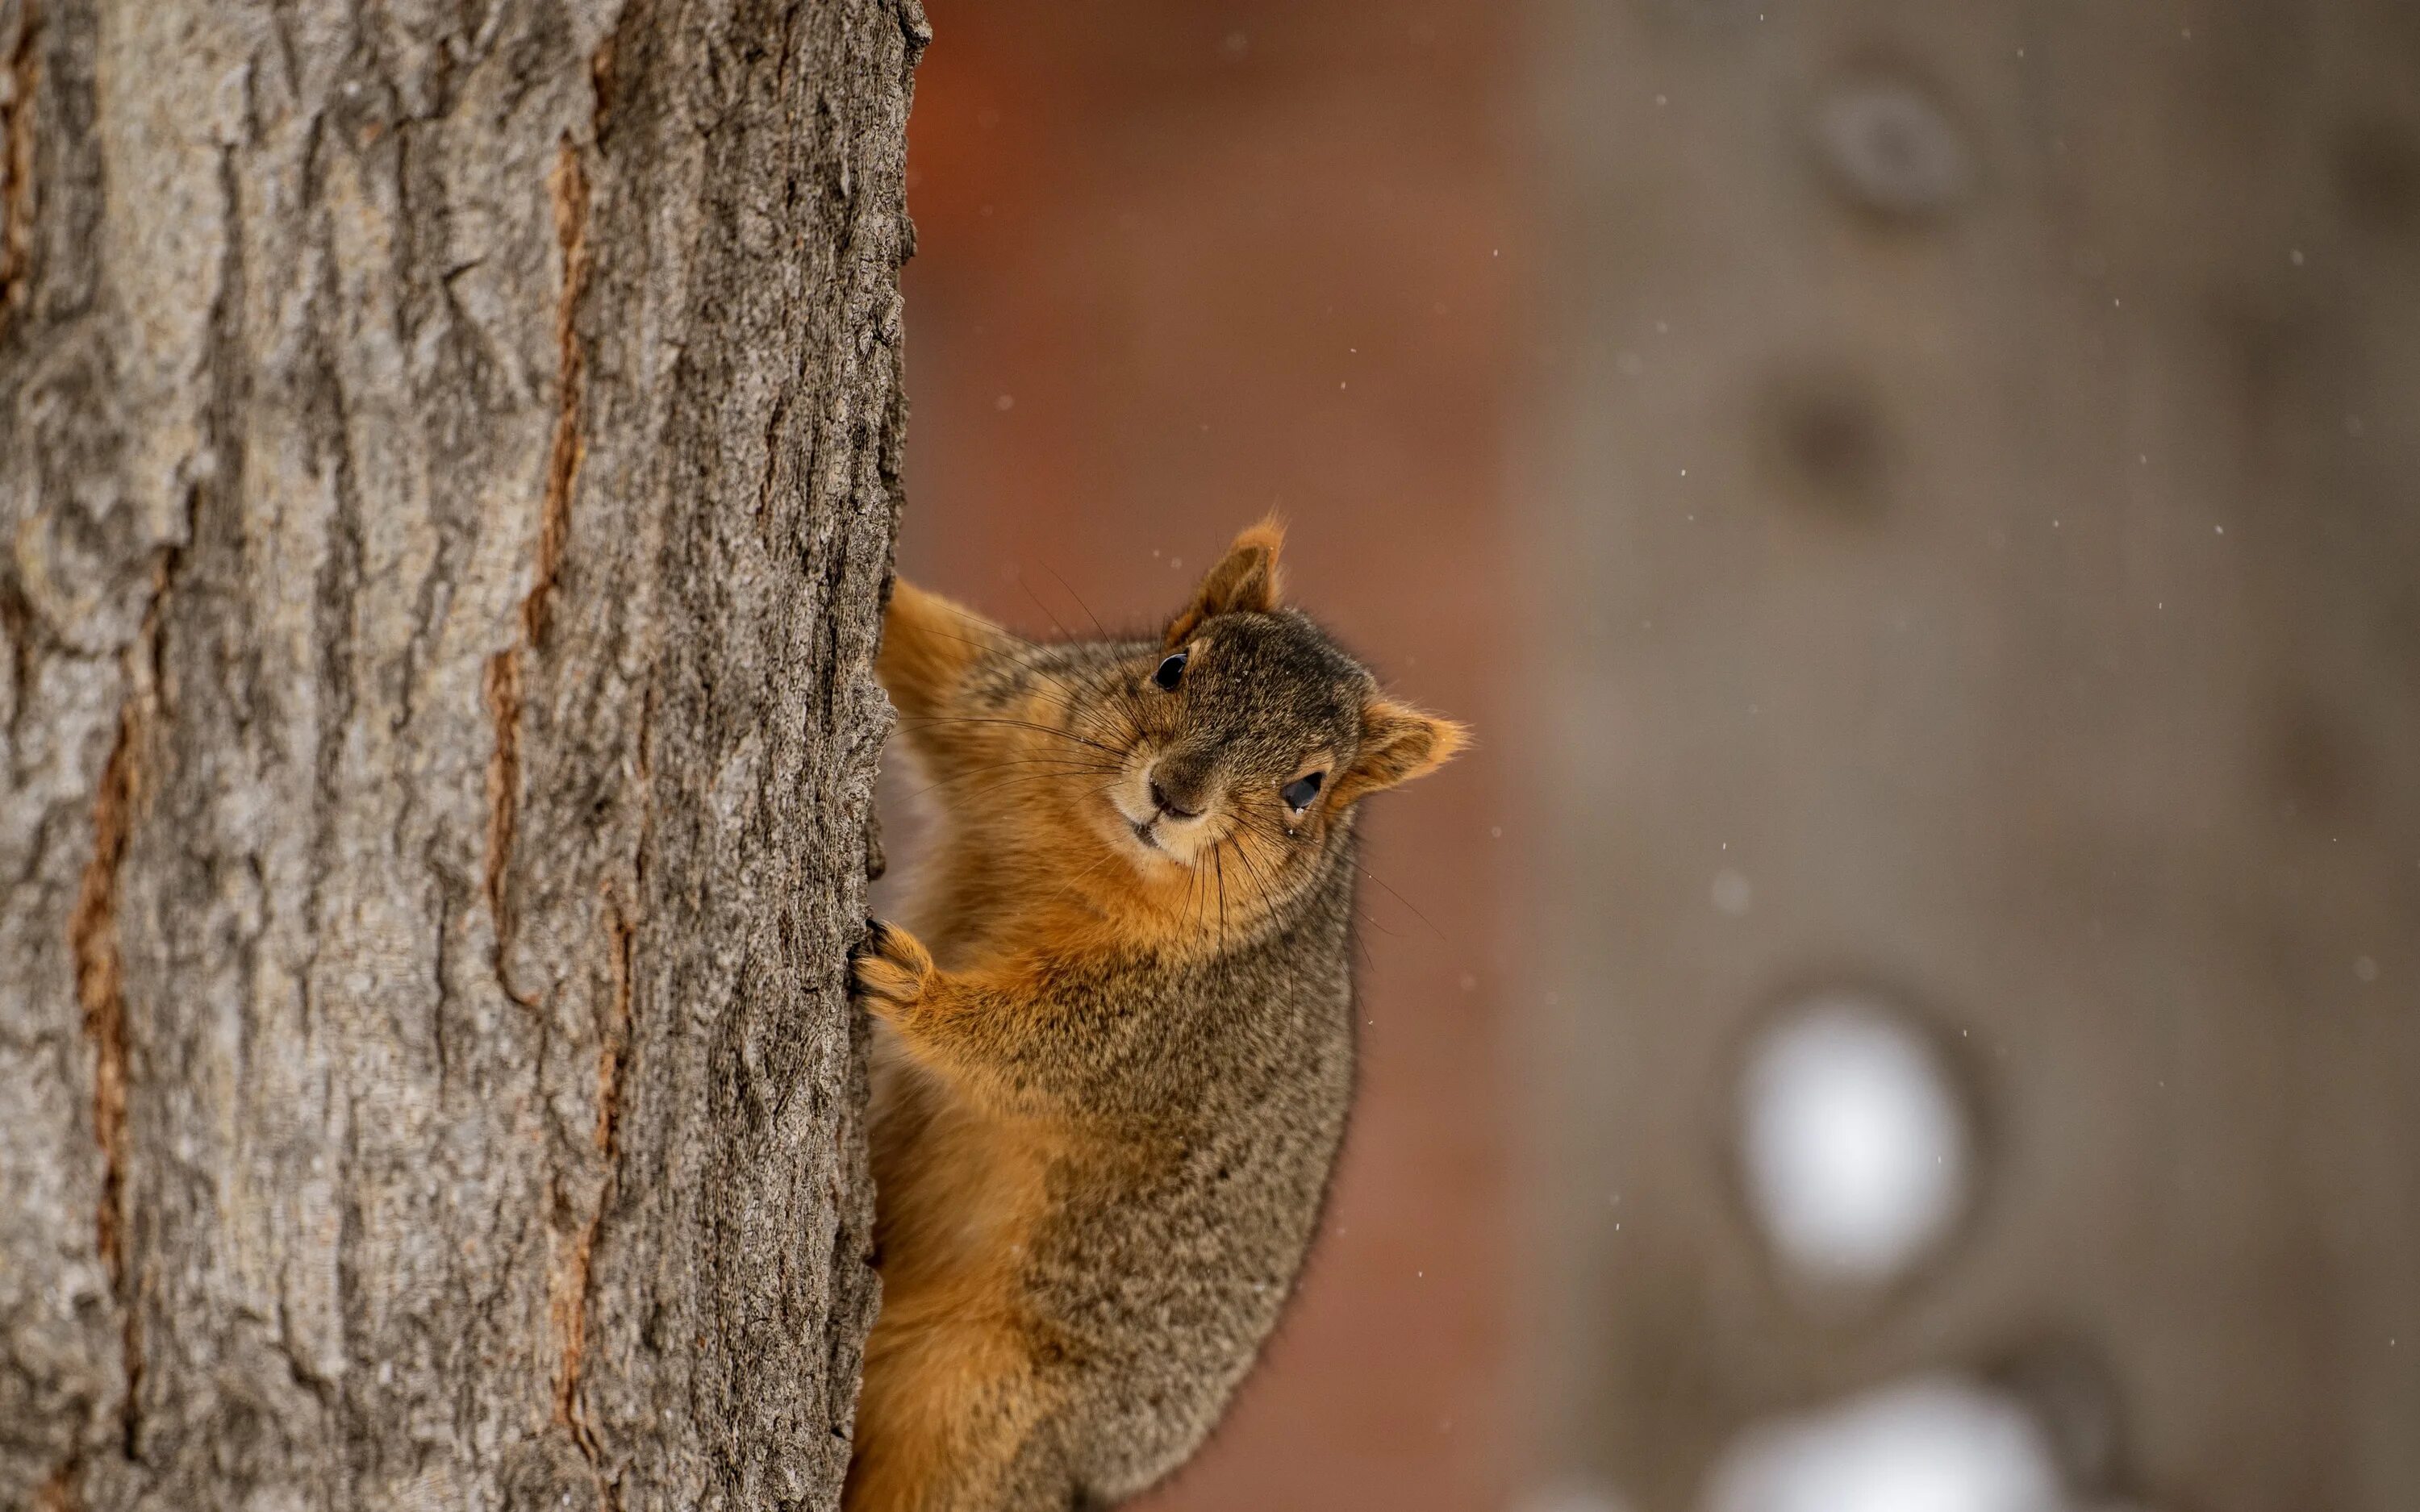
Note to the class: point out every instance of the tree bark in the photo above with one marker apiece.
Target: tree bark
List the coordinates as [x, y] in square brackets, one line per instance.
[448, 464]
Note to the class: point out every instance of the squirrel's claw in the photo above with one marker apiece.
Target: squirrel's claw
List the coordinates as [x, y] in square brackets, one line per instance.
[890, 969]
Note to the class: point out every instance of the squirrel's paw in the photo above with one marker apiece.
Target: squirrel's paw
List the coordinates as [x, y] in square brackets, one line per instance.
[890, 969]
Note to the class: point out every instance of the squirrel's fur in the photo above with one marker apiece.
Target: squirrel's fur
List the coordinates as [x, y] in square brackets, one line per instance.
[1117, 1055]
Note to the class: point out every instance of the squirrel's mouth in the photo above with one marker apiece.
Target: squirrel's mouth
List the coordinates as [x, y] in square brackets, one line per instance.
[1141, 820]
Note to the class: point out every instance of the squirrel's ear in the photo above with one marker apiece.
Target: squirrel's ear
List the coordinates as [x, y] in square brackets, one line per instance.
[1398, 743]
[1246, 578]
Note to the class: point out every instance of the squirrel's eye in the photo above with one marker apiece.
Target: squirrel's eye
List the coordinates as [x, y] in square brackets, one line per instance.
[1299, 793]
[1169, 671]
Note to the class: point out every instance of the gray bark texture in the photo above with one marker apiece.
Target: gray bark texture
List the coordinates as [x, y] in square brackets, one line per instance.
[448, 464]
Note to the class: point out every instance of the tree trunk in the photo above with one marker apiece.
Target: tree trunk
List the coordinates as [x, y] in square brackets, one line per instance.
[449, 457]
[1983, 463]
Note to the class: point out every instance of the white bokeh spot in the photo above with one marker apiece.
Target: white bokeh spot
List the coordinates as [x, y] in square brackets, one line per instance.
[1935, 1443]
[1853, 1143]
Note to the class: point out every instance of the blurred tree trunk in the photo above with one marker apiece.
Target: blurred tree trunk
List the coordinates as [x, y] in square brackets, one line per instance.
[1983, 444]
[448, 462]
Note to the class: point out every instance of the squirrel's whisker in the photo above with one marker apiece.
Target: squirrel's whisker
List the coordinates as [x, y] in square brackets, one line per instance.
[1217, 860]
[1025, 663]
[1017, 724]
[1099, 628]
[1405, 901]
[999, 785]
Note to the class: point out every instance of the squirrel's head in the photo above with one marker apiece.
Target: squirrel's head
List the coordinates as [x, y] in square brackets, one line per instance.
[1246, 736]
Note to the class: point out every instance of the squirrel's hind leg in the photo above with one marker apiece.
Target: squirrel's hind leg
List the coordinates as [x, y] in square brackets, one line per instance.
[932, 651]
[944, 1418]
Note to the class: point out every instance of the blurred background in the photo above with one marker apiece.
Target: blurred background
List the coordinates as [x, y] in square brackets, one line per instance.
[1913, 1004]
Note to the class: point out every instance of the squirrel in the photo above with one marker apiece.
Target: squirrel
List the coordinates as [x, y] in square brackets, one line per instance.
[1114, 1063]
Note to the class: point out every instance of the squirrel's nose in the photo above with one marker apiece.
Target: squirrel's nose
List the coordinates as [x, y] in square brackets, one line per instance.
[1167, 805]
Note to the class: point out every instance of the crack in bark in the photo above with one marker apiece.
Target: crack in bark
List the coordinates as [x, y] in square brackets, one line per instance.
[503, 694]
[92, 935]
[92, 941]
[17, 627]
[568, 189]
[17, 169]
[577, 1281]
[337, 579]
[100, 974]
[614, 1044]
[600, 84]
[773, 418]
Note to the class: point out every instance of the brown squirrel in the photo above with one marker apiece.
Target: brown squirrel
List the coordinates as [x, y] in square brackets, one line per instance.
[1119, 1053]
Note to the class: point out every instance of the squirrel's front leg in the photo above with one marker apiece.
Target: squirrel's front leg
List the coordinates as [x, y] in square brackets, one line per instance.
[977, 1031]
[892, 973]
[938, 1015]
